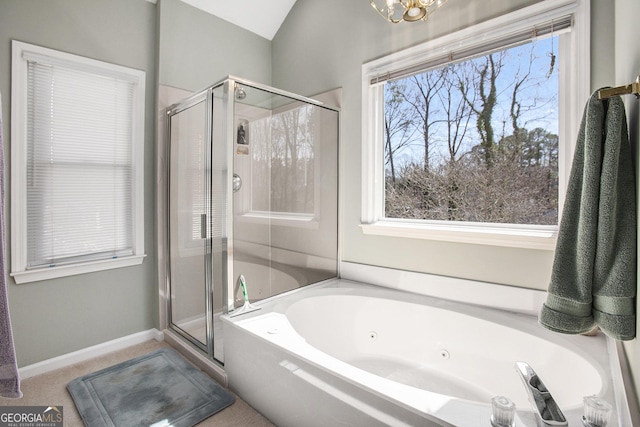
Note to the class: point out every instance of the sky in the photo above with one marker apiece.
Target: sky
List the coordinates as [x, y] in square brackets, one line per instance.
[540, 89]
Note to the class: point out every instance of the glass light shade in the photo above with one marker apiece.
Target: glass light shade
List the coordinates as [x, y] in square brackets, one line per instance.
[396, 11]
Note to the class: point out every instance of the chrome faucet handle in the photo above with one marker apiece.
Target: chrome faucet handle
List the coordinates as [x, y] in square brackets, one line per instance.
[545, 408]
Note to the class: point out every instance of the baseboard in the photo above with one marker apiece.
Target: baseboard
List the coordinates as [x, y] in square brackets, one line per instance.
[89, 353]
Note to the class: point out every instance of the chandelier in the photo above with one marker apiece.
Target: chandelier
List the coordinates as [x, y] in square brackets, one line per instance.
[406, 10]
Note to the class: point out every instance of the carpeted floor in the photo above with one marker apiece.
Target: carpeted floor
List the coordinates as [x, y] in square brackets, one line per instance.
[50, 390]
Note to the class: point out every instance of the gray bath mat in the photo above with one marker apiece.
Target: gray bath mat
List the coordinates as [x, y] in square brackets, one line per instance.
[159, 389]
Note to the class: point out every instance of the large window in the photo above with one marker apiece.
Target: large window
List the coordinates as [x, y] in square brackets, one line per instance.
[470, 133]
[77, 142]
[476, 140]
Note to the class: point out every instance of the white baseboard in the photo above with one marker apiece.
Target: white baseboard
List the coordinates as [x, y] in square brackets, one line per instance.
[89, 353]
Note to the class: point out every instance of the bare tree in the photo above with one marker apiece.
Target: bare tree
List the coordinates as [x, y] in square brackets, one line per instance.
[457, 111]
[425, 88]
[291, 160]
[486, 177]
[526, 81]
[397, 124]
[486, 71]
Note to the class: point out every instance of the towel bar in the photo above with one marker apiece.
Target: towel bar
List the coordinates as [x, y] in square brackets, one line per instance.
[633, 88]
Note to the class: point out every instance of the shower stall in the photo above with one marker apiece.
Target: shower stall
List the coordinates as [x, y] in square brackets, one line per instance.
[252, 190]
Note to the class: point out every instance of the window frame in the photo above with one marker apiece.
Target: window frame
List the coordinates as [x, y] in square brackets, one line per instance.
[574, 82]
[19, 126]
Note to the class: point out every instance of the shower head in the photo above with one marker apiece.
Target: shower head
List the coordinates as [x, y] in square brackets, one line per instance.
[240, 93]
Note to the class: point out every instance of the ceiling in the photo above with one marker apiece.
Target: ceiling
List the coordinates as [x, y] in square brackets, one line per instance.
[262, 17]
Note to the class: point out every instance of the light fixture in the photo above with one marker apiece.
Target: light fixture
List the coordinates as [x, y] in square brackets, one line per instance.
[406, 10]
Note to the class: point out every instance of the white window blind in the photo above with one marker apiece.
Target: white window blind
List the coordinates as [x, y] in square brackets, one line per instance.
[480, 46]
[79, 166]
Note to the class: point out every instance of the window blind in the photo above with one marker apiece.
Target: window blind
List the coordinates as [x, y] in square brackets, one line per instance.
[79, 165]
[480, 47]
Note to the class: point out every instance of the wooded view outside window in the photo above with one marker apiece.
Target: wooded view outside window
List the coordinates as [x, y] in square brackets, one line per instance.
[476, 140]
[283, 162]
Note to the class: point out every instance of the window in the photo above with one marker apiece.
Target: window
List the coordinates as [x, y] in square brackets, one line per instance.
[475, 140]
[466, 138]
[277, 158]
[77, 162]
[283, 164]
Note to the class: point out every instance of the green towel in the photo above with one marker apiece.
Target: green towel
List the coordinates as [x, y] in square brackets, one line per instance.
[593, 281]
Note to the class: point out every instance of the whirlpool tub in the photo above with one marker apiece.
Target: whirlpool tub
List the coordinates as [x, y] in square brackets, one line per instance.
[343, 353]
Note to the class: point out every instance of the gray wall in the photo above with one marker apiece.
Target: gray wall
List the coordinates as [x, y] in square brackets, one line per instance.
[332, 56]
[55, 317]
[197, 49]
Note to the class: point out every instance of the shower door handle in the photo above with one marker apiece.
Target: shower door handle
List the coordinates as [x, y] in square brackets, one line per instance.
[203, 226]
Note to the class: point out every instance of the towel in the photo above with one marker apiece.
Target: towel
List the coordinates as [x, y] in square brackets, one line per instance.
[593, 280]
[9, 378]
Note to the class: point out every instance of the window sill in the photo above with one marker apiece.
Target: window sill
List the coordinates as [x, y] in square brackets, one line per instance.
[73, 269]
[506, 235]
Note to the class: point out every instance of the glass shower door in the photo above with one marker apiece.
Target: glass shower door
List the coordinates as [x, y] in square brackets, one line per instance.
[189, 239]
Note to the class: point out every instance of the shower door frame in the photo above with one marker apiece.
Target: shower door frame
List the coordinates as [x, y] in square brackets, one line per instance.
[205, 96]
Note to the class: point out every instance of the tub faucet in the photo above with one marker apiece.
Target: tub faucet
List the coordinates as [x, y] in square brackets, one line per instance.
[545, 408]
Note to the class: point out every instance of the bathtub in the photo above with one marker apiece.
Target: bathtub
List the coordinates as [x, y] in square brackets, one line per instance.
[343, 353]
